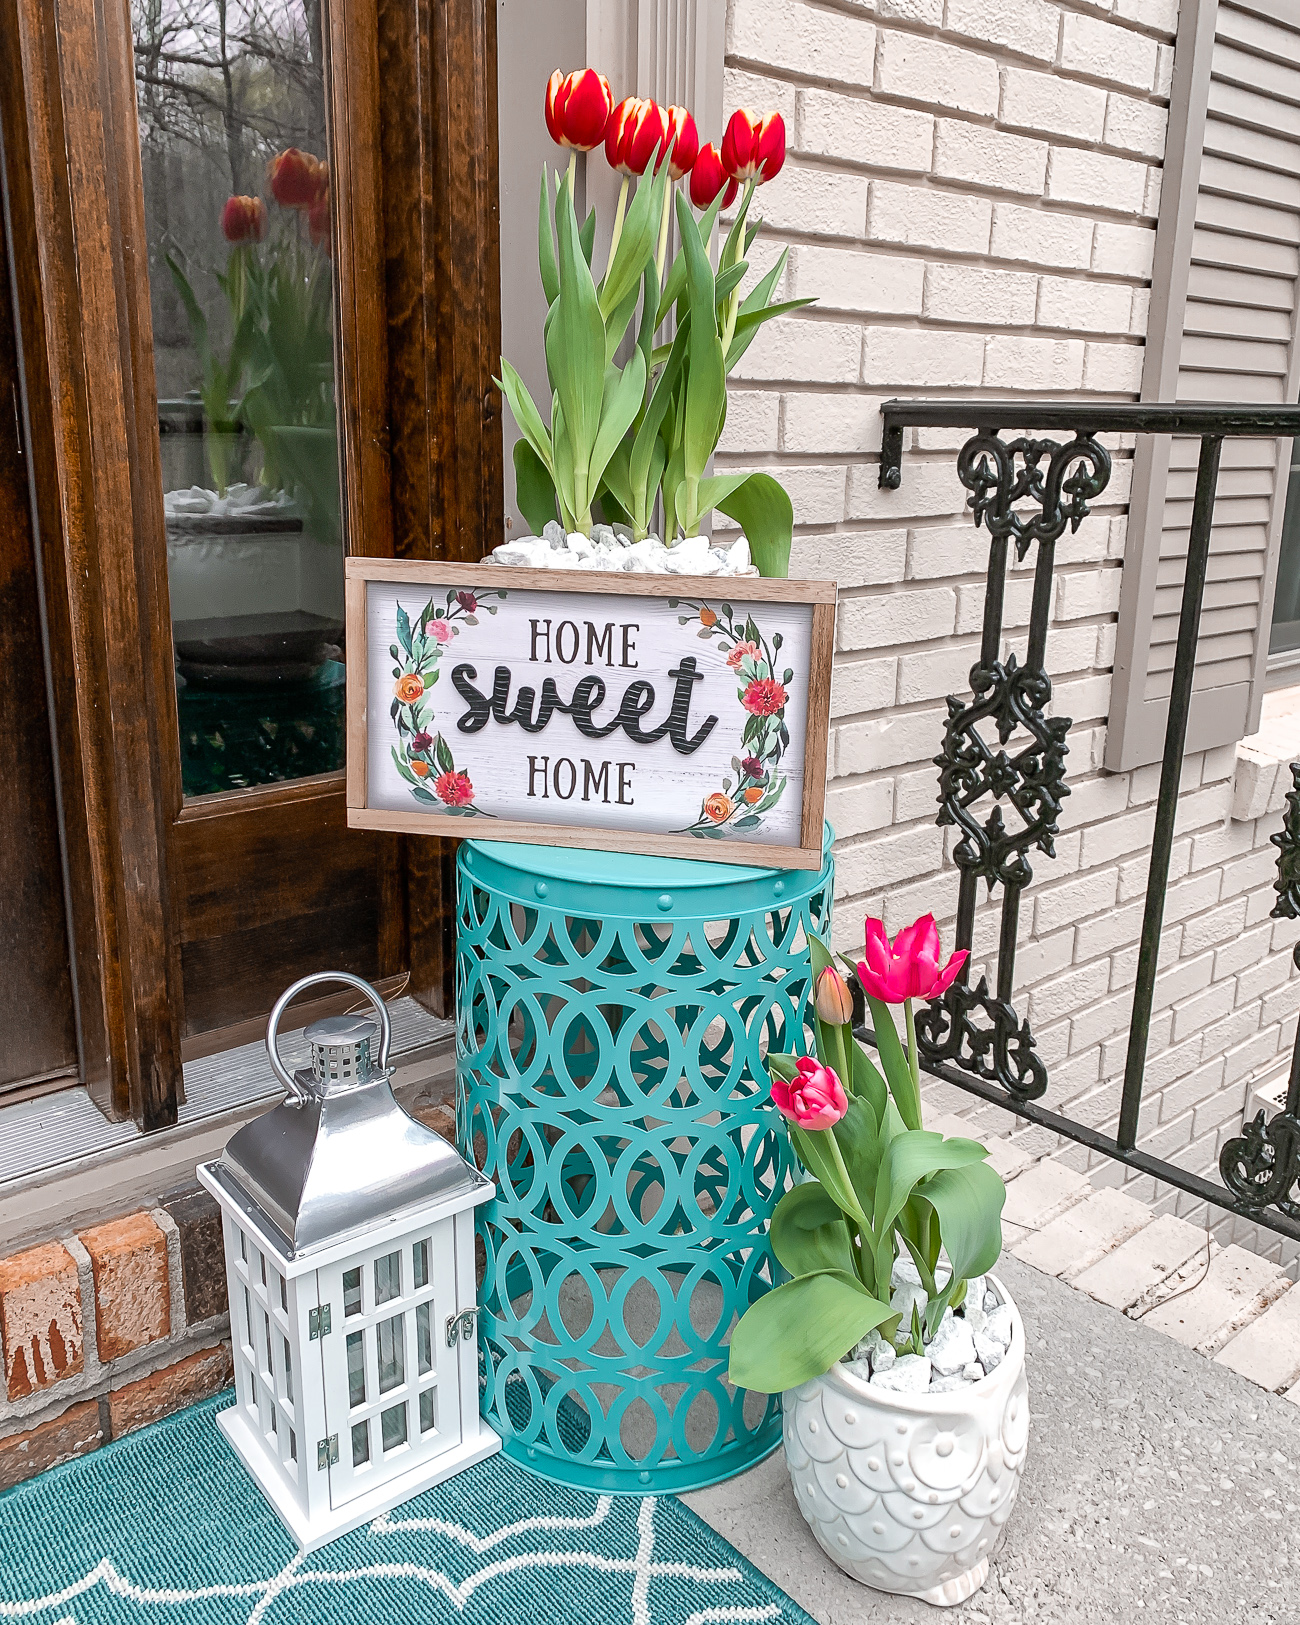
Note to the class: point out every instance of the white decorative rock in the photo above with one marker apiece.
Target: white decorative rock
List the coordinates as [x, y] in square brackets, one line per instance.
[952, 1347]
[998, 1325]
[909, 1492]
[612, 548]
[989, 1351]
[973, 1304]
[909, 1374]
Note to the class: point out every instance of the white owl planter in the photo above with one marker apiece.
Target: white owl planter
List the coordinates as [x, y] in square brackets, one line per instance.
[909, 1493]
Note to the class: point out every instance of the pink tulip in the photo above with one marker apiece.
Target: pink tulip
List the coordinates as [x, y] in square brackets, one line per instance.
[815, 1097]
[907, 968]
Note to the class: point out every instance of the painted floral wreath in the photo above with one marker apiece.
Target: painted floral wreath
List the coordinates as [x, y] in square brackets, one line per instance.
[759, 783]
[421, 755]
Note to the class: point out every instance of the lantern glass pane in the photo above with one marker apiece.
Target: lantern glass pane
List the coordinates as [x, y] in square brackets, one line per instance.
[261, 1264]
[266, 1328]
[420, 1259]
[293, 1445]
[428, 1410]
[392, 1362]
[248, 1320]
[392, 1424]
[356, 1368]
[388, 1278]
[352, 1291]
[424, 1337]
[360, 1444]
[284, 1294]
[243, 1246]
[288, 1370]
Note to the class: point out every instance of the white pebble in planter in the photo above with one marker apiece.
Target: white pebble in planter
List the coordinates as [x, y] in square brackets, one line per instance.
[909, 1491]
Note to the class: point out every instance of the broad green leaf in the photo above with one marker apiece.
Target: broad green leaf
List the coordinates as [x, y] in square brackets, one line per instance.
[564, 469]
[967, 1202]
[908, 1159]
[820, 1155]
[194, 312]
[546, 245]
[800, 1329]
[617, 325]
[616, 477]
[637, 243]
[526, 414]
[575, 350]
[748, 324]
[645, 338]
[867, 1082]
[534, 487]
[623, 405]
[781, 1065]
[728, 280]
[808, 1232]
[587, 236]
[894, 1063]
[762, 508]
[675, 283]
[706, 381]
[660, 400]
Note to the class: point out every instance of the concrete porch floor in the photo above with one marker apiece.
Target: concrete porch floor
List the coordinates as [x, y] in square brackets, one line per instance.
[1160, 1486]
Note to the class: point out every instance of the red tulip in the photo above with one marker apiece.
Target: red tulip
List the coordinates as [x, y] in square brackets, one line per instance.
[685, 139]
[637, 129]
[296, 178]
[578, 106]
[753, 147]
[243, 220]
[907, 968]
[814, 1098]
[708, 177]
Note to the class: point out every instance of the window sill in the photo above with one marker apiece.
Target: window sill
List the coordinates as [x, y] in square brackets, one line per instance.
[1262, 775]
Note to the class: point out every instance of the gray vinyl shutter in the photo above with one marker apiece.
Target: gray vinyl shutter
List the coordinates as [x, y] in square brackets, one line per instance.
[1223, 328]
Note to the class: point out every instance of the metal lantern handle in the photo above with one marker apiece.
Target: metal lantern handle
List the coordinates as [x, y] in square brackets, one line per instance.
[291, 1084]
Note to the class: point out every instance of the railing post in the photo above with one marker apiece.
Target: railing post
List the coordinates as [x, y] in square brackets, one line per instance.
[1162, 841]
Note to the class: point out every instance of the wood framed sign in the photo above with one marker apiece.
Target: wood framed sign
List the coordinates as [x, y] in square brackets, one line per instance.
[678, 716]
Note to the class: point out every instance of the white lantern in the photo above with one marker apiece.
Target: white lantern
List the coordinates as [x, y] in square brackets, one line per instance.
[349, 1235]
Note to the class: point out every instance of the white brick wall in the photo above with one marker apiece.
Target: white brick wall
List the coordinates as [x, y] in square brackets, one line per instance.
[970, 195]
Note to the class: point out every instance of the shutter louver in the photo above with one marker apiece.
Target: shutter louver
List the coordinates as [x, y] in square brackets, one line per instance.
[1230, 337]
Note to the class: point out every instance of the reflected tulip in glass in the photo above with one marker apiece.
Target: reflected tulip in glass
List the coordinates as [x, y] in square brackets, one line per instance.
[243, 220]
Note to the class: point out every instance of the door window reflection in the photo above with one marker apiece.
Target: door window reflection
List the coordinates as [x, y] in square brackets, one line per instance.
[237, 208]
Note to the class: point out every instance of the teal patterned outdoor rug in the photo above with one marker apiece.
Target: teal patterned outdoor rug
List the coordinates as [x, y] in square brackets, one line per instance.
[165, 1528]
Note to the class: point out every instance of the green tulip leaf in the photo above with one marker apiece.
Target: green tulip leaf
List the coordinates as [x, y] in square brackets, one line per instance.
[893, 1060]
[546, 245]
[534, 487]
[808, 1232]
[619, 411]
[819, 1152]
[799, 1330]
[967, 1203]
[762, 508]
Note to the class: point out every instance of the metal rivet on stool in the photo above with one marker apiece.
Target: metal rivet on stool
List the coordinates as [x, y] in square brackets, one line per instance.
[665, 901]
[541, 888]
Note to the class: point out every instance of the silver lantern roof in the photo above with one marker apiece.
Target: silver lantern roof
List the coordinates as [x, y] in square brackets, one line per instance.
[339, 1155]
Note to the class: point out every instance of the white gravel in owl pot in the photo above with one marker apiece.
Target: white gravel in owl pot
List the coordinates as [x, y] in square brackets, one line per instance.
[611, 547]
[969, 1343]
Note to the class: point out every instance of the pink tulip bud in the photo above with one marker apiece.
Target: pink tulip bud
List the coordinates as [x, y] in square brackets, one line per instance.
[814, 1099]
[834, 1001]
[907, 968]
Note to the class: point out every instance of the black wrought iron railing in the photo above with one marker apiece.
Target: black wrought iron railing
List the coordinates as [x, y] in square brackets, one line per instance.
[1025, 492]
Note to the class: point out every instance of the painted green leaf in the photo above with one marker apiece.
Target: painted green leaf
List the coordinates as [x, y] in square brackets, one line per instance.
[800, 1329]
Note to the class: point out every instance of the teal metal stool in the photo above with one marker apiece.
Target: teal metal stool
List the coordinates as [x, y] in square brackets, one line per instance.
[613, 1012]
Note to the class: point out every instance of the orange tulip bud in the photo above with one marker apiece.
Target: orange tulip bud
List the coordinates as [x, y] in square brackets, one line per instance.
[834, 1001]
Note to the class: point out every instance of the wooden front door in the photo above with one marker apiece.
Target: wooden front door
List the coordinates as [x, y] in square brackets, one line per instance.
[197, 642]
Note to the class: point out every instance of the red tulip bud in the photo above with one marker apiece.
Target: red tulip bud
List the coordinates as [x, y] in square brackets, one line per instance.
[296, 178]
[637, 129]
[753, 147]
[578, 106]
[243, 220]
[834, 1001]
[685, 139]
[708, 177]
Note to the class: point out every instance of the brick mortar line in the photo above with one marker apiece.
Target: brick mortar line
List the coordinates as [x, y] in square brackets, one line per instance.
[909, 25]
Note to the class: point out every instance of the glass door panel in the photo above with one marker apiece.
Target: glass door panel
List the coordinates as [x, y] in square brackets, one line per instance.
[231, 100]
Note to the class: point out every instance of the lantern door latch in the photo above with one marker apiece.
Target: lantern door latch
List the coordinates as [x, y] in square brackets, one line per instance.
[461, 1325]
[327, 1453]
[318, 1322]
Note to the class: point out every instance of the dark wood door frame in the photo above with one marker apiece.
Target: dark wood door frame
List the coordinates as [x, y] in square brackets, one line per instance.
[412, 103]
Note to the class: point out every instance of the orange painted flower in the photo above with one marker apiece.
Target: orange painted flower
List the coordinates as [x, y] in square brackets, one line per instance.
[420, 769]
[742, 651]
[708, 617]
[453, 788]
[754, 793]
[718, 807]
[763, 697]
[409, 688]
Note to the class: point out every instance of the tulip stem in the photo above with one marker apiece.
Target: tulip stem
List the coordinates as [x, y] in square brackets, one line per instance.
[911, 1054]
[663, 235]
[573, 177]
[618, 223]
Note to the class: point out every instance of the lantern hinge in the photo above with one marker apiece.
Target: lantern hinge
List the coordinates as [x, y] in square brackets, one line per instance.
[318, 1322]
[460, 1326]
[327, 1453]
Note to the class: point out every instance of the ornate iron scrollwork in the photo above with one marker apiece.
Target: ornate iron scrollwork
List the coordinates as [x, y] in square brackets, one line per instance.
[978, 1028]
[1262, 1166]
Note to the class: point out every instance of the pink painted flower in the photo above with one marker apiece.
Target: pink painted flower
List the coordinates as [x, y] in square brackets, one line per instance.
[763, 697]
[907, 968]
[814, 1098]
[453, 788]
[441, 631]
[742, 651]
